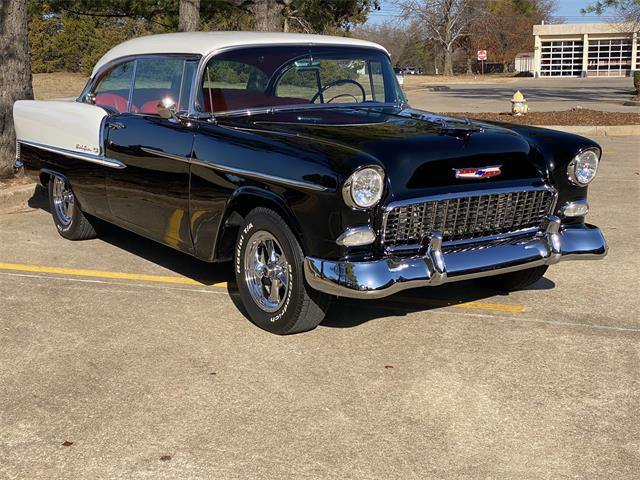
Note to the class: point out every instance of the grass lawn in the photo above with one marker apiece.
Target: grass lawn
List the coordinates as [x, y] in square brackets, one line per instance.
[58, 85]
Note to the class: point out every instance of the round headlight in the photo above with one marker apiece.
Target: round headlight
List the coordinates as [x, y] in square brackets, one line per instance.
[582, 169]
[364, 187]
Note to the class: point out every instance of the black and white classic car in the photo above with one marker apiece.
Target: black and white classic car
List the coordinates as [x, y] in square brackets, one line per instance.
[297, 158]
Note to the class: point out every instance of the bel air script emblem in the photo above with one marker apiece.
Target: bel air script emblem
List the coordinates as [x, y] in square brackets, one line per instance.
[478, 173]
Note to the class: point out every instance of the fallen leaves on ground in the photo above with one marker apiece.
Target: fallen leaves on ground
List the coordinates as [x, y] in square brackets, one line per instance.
[580, 116]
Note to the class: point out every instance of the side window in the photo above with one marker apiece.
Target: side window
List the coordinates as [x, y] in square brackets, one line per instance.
[155, 79]
[112, 90]
[376, 84]
[229, 85]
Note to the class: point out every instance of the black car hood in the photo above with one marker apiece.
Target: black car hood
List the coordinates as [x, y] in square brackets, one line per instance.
[418, 150]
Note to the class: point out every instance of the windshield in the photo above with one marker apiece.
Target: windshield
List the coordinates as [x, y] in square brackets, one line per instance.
[263, 77]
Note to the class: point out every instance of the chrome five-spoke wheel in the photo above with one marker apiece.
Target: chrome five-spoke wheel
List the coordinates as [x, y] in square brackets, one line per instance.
[63, 201]
[266, 271]
[68, 218]
[270, 276]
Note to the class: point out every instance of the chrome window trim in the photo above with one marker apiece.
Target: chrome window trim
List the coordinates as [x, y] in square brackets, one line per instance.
[239, 171]
[128, 58]
[469, 193]
[205, 59]
[132, 85]
[99, 159]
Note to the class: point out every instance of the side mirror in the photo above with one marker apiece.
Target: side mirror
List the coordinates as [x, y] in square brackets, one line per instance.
[167, 109]
[91, 98]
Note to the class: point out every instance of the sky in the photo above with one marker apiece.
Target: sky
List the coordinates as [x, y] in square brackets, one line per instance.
[569, 9]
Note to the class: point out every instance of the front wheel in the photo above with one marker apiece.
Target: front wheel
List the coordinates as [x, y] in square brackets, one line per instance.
[269, 272]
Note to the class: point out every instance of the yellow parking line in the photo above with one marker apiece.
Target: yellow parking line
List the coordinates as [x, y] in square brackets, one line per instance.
[79, 272]
[102, 274]
[496, 307]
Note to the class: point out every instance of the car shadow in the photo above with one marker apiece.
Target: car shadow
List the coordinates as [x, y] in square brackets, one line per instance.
[349, 313]
[343, 312]
[174, 260]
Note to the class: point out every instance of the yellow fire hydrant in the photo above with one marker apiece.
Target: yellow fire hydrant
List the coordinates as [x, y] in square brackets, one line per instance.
[519, 104]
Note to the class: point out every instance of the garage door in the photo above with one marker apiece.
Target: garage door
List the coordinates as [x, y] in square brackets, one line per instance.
[609, 58]
[561, 59]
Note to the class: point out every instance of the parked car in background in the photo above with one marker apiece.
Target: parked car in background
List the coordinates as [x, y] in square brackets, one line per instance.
[399, 75]
[410, 70]
[298, 159]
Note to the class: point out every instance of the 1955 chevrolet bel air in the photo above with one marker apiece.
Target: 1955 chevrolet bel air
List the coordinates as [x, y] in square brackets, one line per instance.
[298, 158]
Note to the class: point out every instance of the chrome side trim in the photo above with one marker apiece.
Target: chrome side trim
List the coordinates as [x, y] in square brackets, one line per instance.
[262, 176]
[239, 171]
[97, 159]
[160, 153]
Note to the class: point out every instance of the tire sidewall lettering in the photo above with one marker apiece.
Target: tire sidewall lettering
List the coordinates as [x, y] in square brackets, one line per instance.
[240, 244]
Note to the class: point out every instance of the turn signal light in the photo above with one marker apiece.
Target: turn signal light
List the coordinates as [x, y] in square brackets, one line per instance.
[356, 236]
[575, 209]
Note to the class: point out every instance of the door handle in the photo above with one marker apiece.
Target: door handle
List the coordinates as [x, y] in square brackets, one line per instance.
[116, 125]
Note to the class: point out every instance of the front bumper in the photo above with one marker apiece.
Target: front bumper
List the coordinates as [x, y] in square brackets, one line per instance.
[380, 278]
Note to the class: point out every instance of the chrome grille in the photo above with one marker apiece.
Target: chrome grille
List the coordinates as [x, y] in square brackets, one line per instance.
[467, 216]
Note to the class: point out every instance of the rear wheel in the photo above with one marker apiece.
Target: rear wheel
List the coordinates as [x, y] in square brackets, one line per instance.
[71, 223]
[269, 272]
[509, 282]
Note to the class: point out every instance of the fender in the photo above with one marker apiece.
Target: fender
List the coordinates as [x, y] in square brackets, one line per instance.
[240, 203]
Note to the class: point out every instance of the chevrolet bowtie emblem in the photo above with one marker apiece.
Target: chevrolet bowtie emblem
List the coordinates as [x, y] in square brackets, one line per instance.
[477, 173]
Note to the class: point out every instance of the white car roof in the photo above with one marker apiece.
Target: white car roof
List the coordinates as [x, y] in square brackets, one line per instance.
[202, 43]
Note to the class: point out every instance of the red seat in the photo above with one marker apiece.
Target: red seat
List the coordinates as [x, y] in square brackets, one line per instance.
[150, 107]
[114, 101]
[238, 99]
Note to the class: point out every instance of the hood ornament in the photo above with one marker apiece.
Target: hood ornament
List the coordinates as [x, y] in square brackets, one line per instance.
[478, 173]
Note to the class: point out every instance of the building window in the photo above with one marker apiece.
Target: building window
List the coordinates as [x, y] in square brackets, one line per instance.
[561, 58]
[609, 58]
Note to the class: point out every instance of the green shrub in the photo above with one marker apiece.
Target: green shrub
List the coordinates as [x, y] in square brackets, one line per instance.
[636, 81]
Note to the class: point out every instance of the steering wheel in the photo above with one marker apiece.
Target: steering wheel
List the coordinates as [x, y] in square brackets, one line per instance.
[335, 83]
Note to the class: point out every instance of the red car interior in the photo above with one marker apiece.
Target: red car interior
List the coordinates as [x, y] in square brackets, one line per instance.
[238, 99]
[146, 100]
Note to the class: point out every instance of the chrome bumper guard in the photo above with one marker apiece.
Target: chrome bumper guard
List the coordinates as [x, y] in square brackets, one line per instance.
[380, 278]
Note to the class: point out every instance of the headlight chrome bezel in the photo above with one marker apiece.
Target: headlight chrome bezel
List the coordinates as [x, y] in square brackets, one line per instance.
[347, 188]
[573, 164]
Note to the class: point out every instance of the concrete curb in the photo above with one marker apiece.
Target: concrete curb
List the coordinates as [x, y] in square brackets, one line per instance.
[16, 199]
[597, 131]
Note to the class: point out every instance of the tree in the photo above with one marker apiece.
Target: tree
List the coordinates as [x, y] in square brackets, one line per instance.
[403, 42]
[326, 16]
[627, 10]
[503, 27]
[267, 14]
[445, 23]
[15, 75]
[189, 16]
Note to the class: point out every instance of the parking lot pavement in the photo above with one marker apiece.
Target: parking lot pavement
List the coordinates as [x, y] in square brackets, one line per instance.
[120, 358]
[543, 95]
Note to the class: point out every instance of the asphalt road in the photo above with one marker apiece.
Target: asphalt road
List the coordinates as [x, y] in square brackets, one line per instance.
[119, 358]
[542, 94]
